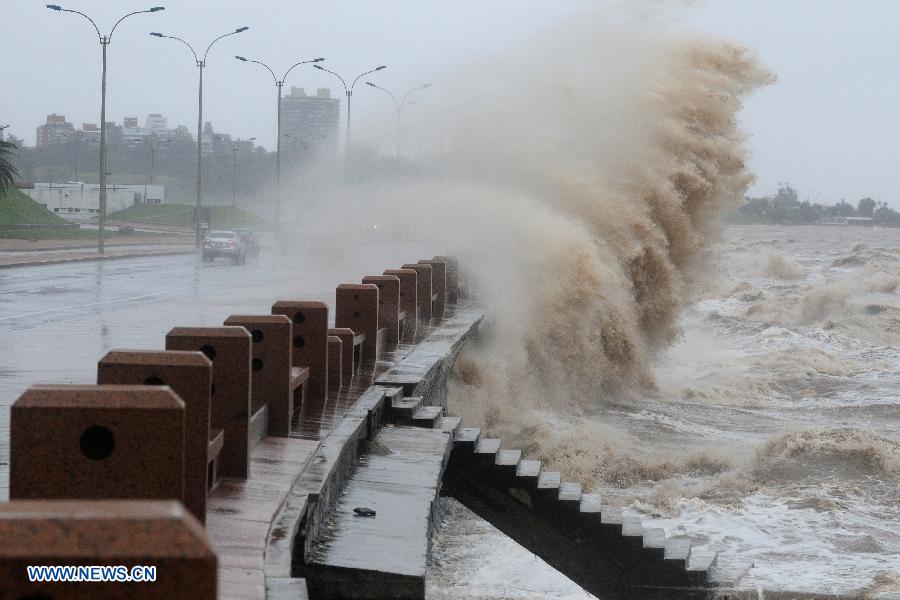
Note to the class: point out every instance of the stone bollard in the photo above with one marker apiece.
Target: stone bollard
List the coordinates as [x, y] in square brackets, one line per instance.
[335, 363]
[229, 350]
[275, 384]
[438, 287]
[357, 309]
[108, 533]
[388, 305]
[349, 365]
[97, 441]
[409, 306]
[310, 341]
[452, 277]
[424, 293]
[189, 374]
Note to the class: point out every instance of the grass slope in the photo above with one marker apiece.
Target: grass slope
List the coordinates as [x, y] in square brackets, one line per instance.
[221, 217]
[18, 209]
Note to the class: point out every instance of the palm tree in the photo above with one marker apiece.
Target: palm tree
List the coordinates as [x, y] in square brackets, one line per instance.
[7, 170]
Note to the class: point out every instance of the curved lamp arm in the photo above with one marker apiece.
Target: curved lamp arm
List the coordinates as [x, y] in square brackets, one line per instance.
[178, 39]
[302, 62]
[386, 91]
[242, 59]
[58, 8]
[321, 68]
[406, 95]
[149, 10]
[366, 73]
[235, 32]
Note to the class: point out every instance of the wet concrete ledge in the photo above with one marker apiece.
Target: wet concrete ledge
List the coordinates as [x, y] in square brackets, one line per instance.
[303, 515]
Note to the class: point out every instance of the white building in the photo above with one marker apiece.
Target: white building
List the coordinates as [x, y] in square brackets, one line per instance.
[77, 201]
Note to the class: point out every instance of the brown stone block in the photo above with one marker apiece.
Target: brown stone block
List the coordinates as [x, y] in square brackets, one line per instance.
[356, 307]
[348, 365]
[97, 441]
[189, 374]
[229, 350]
[452, 277]
[271, 367]
[438, 287]
[310, 342]
[409, 305]
[335, 363]
[388, 305]
[129, 533]
[423, 291]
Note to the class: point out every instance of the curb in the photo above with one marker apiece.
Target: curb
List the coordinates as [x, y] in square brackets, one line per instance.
[57, 261]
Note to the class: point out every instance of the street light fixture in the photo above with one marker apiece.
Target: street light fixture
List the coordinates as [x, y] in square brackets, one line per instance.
[201, 64]
[279, 84]
[349, 91]
[104, 42]
[399, 104]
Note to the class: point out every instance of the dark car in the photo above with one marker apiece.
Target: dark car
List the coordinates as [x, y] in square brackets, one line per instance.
[251, 240]
[224, 244]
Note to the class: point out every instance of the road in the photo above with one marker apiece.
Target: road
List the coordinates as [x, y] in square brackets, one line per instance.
[57, 321]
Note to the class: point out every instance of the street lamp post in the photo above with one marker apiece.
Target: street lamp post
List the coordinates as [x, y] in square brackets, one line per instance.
[154, 146]
[348, 91]
[234, 150]
[201, 64]
[104, 42]
[279, 85]
[399, 104]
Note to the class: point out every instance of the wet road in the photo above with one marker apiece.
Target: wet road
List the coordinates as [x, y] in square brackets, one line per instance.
[57, 321]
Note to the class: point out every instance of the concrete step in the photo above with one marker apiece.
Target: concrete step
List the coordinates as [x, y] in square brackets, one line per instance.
[727, 571]
[548, 482]
[450, 425]
[527, 472]
[655, 542]
[678, 548]
[428, 417]
[467, 439]
[570, 495]
[392, 395]
[700, 562]
[385, 554]
[403, 410]
[487, 450]
[590, 504]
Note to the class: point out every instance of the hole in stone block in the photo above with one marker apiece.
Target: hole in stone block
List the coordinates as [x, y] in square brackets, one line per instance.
[97, 442]
[356, 315]
[154, 380]
[209, 351]
[299, 342]
[257, 336]
[256, 364]
[299, 317]
[356, 296]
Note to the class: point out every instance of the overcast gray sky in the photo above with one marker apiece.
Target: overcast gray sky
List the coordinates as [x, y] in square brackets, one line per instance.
[830, 126]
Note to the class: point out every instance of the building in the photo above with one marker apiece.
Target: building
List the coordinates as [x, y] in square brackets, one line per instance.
[76, 201]
[157, 122]
[310, 124]
[55, 131]
[90, 131]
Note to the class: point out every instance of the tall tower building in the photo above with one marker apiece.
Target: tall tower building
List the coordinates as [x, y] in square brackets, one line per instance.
[309, 124]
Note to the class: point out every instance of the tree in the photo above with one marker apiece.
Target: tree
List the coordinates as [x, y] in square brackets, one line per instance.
[866, 207]
[7, 170]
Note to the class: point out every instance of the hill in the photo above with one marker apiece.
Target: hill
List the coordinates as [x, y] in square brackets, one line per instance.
[221, 217]
[16, 208]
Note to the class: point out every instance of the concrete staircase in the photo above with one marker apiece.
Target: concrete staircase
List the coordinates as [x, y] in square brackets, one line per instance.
[602, 549]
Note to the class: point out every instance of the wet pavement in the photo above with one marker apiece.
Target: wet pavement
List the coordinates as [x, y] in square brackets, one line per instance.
[57, 321]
